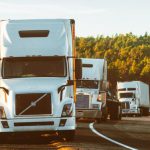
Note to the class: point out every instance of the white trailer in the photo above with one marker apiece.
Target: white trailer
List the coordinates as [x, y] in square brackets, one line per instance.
[134, 96]
[38, 70]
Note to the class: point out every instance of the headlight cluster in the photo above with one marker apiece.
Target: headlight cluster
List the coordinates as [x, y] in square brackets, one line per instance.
[67, 110]
[2, 113]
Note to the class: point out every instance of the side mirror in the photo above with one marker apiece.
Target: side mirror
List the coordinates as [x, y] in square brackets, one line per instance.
[78, 69]
[70, 82]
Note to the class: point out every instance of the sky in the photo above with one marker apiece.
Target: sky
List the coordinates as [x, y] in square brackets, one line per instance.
[93, 17]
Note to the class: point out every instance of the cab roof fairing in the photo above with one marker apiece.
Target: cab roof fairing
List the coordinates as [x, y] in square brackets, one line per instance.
[132, 84]
[58, 42]
[97, 72]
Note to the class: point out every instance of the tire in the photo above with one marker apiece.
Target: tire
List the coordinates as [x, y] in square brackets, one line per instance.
[112, 116]
[3, 138]
[104, 113]
[145, 111]
[141, 112]
[67, 135]
[120, 112]
[77, 119]
[98, 120]
[116, 114]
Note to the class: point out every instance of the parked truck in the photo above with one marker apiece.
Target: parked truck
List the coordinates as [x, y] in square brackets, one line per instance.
[134, 96]
[93, 99]
[37, 75]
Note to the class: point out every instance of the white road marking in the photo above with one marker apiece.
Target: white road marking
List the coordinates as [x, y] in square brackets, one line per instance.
[109, 139]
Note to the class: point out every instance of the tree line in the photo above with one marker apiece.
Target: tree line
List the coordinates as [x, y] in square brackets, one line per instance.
[127, 55]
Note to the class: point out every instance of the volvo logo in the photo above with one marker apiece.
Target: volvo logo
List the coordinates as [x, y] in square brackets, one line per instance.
[33, 104]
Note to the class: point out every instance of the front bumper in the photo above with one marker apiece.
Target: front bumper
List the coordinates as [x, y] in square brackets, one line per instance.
[88, 113]
[37, 124]
[130, 111]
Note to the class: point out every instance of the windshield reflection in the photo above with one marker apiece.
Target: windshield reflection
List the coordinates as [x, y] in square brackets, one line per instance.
[93, 84]
[127, 95]
[22, 67]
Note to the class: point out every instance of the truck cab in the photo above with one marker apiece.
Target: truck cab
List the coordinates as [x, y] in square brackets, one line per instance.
[129, 103]
[37, 66]
[94, 76]
[134, 96]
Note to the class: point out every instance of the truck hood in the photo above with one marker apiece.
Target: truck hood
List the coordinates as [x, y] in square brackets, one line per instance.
[87, 91]
[23, 85]
[125, 99]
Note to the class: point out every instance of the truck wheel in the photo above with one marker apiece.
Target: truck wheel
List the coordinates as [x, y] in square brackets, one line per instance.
[116, 113]
[112, 117]
[98, 120]
[112, 112]
[145, 111]
[77, 119]
[67, 135]
[104, 114]
[120, 112]
[3, 138]
[141, 112]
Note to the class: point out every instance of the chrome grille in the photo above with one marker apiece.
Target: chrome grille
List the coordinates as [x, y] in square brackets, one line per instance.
[33, 104]
[82, 101]
[125, 105]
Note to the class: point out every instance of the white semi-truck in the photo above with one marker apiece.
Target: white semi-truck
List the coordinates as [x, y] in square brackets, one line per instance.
[93, 99]
[37, 74]
[134, 96]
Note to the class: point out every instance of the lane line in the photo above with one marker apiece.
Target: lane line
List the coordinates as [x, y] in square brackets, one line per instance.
[109, 139]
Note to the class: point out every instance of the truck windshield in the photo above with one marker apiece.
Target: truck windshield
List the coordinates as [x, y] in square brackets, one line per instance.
[127, 95]
[92, 84]
[23, 67]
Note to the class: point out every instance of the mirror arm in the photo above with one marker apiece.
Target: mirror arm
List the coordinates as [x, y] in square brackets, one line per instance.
[70, 83]
[6, 90]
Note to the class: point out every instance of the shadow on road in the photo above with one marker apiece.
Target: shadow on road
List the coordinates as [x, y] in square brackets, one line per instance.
[31, 139]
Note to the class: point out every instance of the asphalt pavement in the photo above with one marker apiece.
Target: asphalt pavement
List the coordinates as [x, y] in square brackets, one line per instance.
[129, 133]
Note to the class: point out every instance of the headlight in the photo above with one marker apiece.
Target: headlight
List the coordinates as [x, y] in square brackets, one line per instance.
[67, 110]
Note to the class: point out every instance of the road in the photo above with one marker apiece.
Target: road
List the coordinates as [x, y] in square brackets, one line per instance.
[130, 131]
